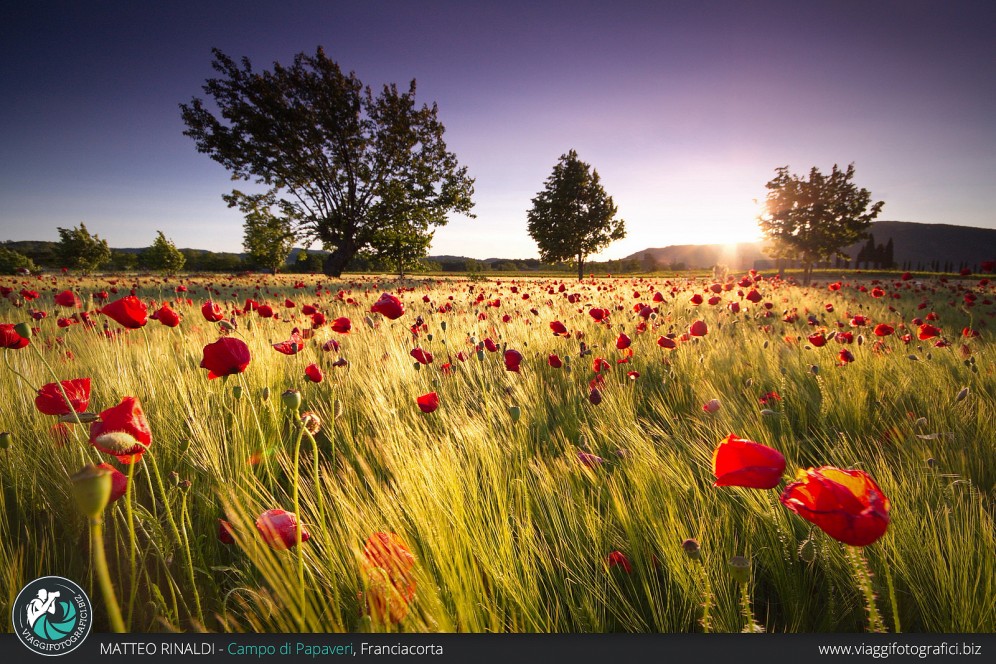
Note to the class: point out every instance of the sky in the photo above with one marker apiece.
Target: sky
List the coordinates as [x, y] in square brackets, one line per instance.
[684, 108]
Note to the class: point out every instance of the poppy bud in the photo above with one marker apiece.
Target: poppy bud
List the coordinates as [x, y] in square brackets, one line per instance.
[292, 399]
[442, 326]
[961, 394]
[336, 409]
[227, 326]
[174, 478]
[515, 412]
[84, 418]
[5, 440]
[740, 569]
[691, 548]
[265, 394]
[807, 551]
[23, 329]
[92, 489]
[237, 391]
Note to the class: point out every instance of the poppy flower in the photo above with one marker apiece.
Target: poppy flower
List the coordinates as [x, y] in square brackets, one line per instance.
[51, 402]
[927, 331]
[845, 356]
[599, 364]
[490, 345]
[554, 361]
[883, 330]
[387, 566]
[845, 504]
[698, 329]
[226, 534]
[265, 311]
[598, 314]
[388, 306]
[590, 460]
[166, 316]
[289, 303]
[129, 312]
[741, 462]
[421, 356]
[623, 342]
[341, 325]
[513, 359]
[122, 431]
[696, 299]
[620, 560]
[225, 357]
[292, 346]
[313, 373]
[595, 396]
[753, 296]
[9, 338]
[212, 312]
[559, 329]
[667, 342]
[330, 345]
[278, 528]
[711, 406]
[428, 403]
[119, 482]
[69, 299]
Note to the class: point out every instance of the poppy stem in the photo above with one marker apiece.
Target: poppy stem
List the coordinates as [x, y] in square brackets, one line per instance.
[104, 575]
[705, 621]
[302, 606]
[863, 577]
[132, 544]
[892, 597]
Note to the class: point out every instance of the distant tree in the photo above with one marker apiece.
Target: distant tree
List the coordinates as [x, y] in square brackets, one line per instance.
[269, 238]
[308, 263]
[78, 250]
[342, 160]
[813, 220]
[889, 257]
[573, 217]
[11, 262]
[123, 261]
[162, 256]
[401, 245]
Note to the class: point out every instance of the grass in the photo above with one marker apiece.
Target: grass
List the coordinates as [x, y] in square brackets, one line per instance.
[509, 530]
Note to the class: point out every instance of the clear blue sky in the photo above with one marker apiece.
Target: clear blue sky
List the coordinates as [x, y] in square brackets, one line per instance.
[684, 108]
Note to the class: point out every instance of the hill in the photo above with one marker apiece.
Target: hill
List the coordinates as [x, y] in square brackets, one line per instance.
[914, 246]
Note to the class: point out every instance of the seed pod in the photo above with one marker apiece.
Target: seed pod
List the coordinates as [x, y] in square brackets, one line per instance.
[740, 569]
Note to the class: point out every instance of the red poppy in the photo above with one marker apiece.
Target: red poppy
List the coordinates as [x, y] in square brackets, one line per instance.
[845, 356]
[595, 396]
[421, 356]
[927, 331]
[225, 357]
[387, 565]
[51, 402]
[166, 316]
[620, 560]
[598, 314]
[711, 406]
[289, 303]
[741, 462]
[68, 298]
[226, 534]
[600, 363]
[845, 504]
[734, 307]
[313, 373]
[696, 299]
[278, 528]
[330, 345]
[559, 329]
[428, 403]
[9, 338]
[265, 311]
[122, 431]
[490, 345]
[341, 325]
[667, 342]
[883, 330]
[212, 312]
[622, 341]
[554, 361]
[768, 397]
[292, 346]
[129, 312]
[513, 359]
[388, 306]
[753, 296]
[119, 481]
[590, 460]
[698, 329]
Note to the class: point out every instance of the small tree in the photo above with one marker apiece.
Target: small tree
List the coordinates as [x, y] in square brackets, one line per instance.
[813, 220]
[11, 262]
[573, 217]
[123, 261]
[269, 238]
[78, 250]
[163, 256]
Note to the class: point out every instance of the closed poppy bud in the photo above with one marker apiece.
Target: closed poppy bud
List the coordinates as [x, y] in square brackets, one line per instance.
[237, 391]
[845, 504]
[595, 396]
[741, 462]
[92, 489]
[291, 399]
[6, 438]
[119, 481]
[515, 413]
[265, 394]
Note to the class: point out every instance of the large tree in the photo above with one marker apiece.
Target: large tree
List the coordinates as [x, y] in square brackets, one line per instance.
[79, 250]
[813, 220]
[573, 217]
[338, 156]
[268, 237]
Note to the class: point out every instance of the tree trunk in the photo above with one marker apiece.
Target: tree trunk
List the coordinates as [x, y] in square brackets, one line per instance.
[336, 261]
[580, 267]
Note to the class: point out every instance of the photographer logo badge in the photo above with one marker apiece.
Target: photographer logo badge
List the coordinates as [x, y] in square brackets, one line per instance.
[52, 616]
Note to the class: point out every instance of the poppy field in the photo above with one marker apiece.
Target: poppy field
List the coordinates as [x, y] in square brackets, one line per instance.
[658, 454]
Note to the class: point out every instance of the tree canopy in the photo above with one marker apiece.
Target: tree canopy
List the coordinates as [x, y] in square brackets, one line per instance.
[343, 162]
[573, 217]
[163, 256]
[79, 250]
[268, 237]
[813, 220]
